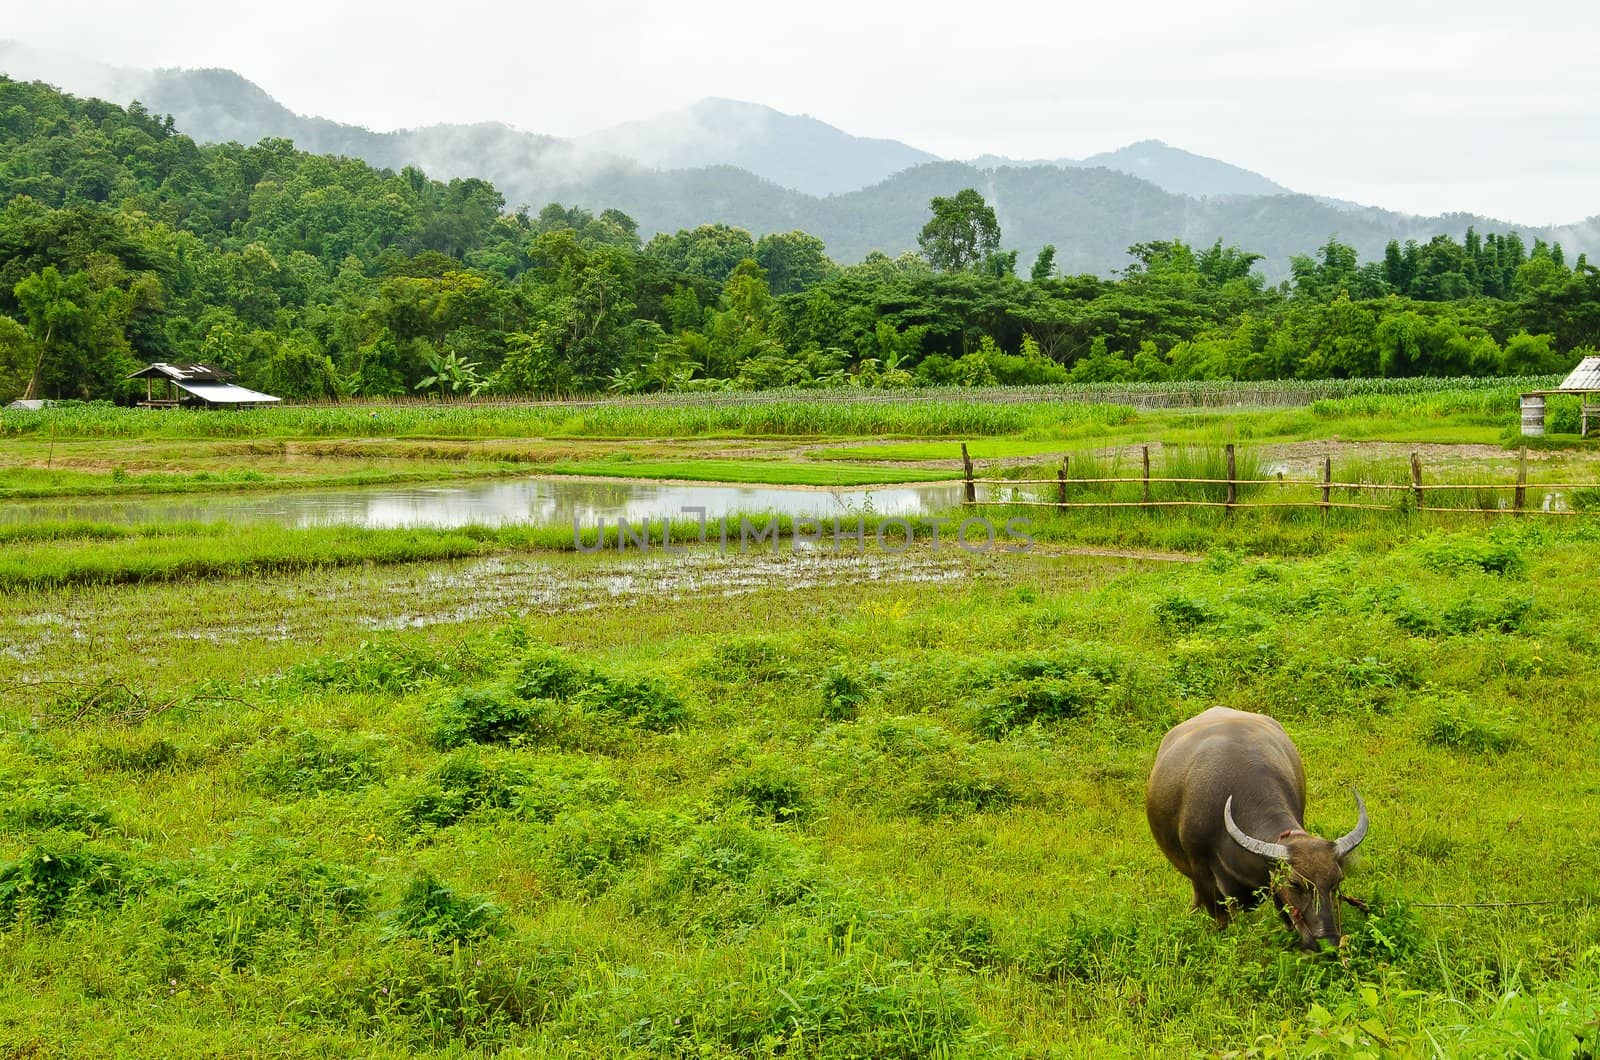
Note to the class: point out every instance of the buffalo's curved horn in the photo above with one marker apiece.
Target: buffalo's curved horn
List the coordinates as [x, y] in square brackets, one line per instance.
[1274, 851]
[1352, 839]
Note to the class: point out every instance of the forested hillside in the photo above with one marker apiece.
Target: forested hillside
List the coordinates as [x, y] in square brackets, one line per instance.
[123, 241]
[753, 167]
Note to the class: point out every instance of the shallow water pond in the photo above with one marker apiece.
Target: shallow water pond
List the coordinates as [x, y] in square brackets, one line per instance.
[531, 501]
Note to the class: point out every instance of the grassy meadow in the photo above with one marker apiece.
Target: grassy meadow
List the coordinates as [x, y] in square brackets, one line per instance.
[338, 791]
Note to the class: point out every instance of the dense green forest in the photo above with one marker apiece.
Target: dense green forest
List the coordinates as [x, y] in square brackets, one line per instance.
[122, 242]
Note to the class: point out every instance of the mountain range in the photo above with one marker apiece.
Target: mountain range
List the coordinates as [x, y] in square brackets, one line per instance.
[764, 170]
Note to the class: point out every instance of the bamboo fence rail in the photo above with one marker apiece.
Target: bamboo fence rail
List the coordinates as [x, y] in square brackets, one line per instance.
[1417, 488]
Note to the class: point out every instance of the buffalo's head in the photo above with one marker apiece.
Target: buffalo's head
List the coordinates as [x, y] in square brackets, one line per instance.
[1306, 873]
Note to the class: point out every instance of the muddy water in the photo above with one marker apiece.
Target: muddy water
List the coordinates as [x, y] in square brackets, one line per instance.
[99, 625]
[501, 585]
[537, 502]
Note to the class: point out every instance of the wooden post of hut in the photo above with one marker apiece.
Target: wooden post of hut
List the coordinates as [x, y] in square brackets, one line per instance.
[966, 464]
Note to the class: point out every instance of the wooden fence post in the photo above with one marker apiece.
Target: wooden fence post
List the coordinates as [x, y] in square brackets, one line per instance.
[1233, 486]
[1147, 474]
[1061, 482]
[1327, 487]
[1520, 498]
[1416, 480]
[972, 487]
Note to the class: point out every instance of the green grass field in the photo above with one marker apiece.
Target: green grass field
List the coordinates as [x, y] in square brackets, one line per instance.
[313, 792]
[895, 817]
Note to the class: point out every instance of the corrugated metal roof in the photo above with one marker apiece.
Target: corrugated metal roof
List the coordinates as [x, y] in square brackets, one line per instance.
[179, 373]
[1584, 377]
[225, 394]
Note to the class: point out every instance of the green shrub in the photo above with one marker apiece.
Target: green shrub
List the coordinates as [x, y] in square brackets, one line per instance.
[109, 701]
[134, 753]
[46, 882]
[260, 903]
[548, 675]
[389, 667]
[844, 692]
[550, 789]
[549, 700]
[1460, 725]
[462, 784]
[963, 941]
[52, 806]
[312, 763]
[769, 786]
[910, 738]
[1470, 612]
[434, 913]
[1040, 699]
[481, 715]
[476, 996]
[951, 784]
[1183, 614]
[748, 660]
[1055, 686]
[809, 1000]
[589, 850]
[1457, 552]
[726, 875]
[1086, 949]
[1388, 933]
[1201, 668]
[643, 704]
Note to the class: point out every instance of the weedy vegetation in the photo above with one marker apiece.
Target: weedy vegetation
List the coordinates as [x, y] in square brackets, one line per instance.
[267, 791]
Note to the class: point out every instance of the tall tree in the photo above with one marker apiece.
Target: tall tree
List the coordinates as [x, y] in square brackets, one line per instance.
[962, 232]
[1044, 266]
[793, 261]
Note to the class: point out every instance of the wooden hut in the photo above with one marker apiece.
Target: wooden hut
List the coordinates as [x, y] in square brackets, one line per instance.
[195, 386]
[1584, 382]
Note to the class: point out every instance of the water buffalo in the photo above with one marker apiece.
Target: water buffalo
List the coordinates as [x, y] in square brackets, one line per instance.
[1221, 780]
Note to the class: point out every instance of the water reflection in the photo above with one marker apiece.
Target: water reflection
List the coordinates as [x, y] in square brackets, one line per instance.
[538, 502]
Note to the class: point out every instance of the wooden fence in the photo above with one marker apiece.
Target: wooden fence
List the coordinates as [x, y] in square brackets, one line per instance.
[1418, 490]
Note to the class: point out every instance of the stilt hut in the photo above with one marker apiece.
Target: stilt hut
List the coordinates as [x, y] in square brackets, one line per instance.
[1584, 382]
[195, 386]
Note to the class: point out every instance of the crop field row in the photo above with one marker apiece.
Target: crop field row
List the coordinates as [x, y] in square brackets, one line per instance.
[805, 414]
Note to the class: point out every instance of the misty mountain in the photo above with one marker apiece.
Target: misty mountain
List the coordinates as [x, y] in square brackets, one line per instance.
[218, 106]
[1184, 172]
[1169, 168]
[793, 151]
[1091, 209]
[1091, 215]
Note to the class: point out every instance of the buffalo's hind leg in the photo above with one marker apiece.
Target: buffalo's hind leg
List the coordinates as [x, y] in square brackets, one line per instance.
[1207, 898]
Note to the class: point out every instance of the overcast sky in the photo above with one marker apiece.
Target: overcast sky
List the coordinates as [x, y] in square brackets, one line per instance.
[1487, 107]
